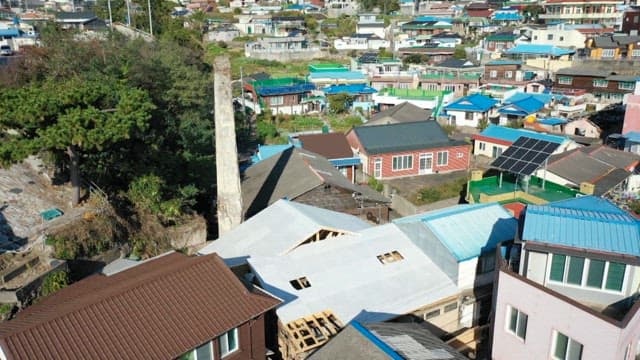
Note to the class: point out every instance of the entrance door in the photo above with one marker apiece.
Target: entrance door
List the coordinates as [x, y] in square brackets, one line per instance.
[377, 168]
[426, 164]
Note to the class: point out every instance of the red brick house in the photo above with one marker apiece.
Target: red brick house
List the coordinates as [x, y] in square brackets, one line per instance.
[407, 149]
[172, 306]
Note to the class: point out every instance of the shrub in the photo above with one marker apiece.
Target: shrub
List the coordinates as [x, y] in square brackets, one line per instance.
[375, 184]
[53, 282]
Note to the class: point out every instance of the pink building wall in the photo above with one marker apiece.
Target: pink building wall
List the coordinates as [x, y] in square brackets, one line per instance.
[600, 339]
[632, 115]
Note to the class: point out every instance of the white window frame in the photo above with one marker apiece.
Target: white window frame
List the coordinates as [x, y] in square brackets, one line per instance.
[493, 74]
[405, 162]
[194, 352]
[508, 74]
[521, 318]
[276, 101]
[224, 340]
[608, 53]
[565, 80]
[482, 146]
[629, 85]
[635, 53]
[585, 274]
[600, 83]
[568, 352]
[439, 158]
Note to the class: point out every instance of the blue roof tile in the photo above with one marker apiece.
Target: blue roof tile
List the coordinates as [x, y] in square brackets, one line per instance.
[511, 135]
[468, 230]
[587, 222]
[507, 16]
[354, 89]
[475, 102]
[534, 49]
[552, 121]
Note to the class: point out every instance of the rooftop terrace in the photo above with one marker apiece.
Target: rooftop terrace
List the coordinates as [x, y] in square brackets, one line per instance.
[418, 94]
[488, 189]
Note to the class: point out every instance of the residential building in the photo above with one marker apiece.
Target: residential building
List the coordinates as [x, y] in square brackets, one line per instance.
[335, 8]
[401, 113]
[532, 51]
[281, 96]
[564, 35]
[435, 52]
[361, 94]
[431, 100]
[499, 41]
[567, 287]
[425, 27]
[360, 42]
[305, 177]
[335, 148]
[493, 140]
[384, 72]
[205, 310]
[379, 341]
[582, 127]
[603, 84]
[325, 74]
[459, 76]
[507, 16]
[522, 106]
[407, 149]
[470, 110]
[84, 21]
[609, 171]
[497, 91]
[508, 72]
[370, 24]
[284, 48]
[631, 20]
[478, 9]
[583, 12]
[613, 47]
[446, 39]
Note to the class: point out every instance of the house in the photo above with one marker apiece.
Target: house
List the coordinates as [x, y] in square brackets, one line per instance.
[335, 148]
[430, 100]
[493, 140]
[434, 52]
[582, 127]
[204, 310]
[370, 24]
[583, 12]
[325, 74]
[379, 341]
[608, 170]
[470, 110]
[566, 35]
[282, 95]
[507, 72]
[566, 288]
[335, 8]
[360, 42]
[401, 113]
[283, 48]
[631, 121]
[499, 41]
[631, 20]
[613, 47]
[446, 39]
[478, 9]
[407, 149]
[305, 177]
[605, 85]
[385, 72]
[361, 94]
[85, 20]
[507, 16]
[497, 91]
[455, 75]
[425, 27]
[521, 106]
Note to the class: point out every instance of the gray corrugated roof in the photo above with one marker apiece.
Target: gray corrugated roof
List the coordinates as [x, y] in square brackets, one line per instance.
[583, 71]
[351, 344]
[379, 139]
[401, 113]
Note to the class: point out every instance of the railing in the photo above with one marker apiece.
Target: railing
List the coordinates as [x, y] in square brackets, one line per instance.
[580, 16]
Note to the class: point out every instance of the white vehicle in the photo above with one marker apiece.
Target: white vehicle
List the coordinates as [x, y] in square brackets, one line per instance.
[5, 50]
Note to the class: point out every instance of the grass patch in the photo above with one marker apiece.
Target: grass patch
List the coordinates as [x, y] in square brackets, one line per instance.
[297, 123]
[443, 191]
[344, 124]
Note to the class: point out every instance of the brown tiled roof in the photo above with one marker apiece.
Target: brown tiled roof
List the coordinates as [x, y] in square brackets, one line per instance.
[331, 146]
[157, 310]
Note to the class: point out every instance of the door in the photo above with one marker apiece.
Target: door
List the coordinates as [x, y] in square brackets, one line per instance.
[426, 164]
[496, 151]
[377, 168]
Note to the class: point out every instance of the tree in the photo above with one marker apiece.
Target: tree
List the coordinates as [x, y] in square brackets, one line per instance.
[460, 52]
[70, 118]
[483, 123]
[339, 103]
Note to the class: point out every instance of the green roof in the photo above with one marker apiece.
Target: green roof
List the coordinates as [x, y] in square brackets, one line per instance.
[417, 94]
[501, 37]
[327, 67]
[490, 186]
[453, 76]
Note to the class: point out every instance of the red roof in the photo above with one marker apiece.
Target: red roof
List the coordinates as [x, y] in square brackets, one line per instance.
[479, 13]
[491, 140]
[516, 208]
[159, 309]
[331, 145]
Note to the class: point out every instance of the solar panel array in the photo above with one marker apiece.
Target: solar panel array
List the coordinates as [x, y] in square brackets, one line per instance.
[525, 155]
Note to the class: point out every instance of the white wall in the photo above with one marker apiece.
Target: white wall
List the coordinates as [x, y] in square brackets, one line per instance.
[569, 37]
[460, 118]
[488, 150]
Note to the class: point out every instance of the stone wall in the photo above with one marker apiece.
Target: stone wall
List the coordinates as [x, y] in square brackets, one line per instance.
[285, 56]
[188, 235]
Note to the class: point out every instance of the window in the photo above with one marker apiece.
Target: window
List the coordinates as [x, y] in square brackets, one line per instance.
[300, 283]
[390, 257]
[450, 307]
[460, 155]
[508, 74]
[493, 74]
[517, 322]
[608, 53]
[535, 37]
[486, 263]
[432, 314]
[276, 100]
[228, 342]
[482, 146]
[550, 37]
[565, 80]
[600, 83]
[624, 85]
[589, 273]
[203, 352]
[443, 158]
[561, 38]
[565, 348]
[635, 53]
[402, 162]
[468, 115]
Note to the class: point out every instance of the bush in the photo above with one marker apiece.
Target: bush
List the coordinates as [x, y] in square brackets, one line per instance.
[375, 184]
[266, 131]
[449, 129]
[53, 282]
[440, 192]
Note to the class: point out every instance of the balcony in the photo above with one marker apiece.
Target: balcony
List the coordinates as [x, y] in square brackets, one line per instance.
[488, 189]
[593, 16]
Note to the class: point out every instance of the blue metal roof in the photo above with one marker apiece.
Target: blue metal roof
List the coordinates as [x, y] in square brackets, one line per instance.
[534, 49]
[552, 121]
[633, 136]
[353, 89]
[544, 98]
[345, 162]
[427, 18]
[468, 230]
[282, 90]
[9, 32]
[337, 75]
[511, 135]
[524, 104]
[475, 102]
[266, 151]
[504, 62]
[507, 16]
[586, 222]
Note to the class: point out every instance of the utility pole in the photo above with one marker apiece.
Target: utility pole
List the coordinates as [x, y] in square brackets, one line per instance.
[110, 15]
[244, 110]
[128, 14]
[150, 22]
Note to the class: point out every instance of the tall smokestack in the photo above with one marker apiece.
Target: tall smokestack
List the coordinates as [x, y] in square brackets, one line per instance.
[227, 172]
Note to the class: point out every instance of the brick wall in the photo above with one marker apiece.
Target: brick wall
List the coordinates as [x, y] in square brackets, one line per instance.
[458, 159]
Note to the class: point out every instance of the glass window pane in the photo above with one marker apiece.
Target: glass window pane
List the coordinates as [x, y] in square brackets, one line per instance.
[522, 326]
[596, 274]
[615, 276]
[233, 340]
[576, 267]
[513, 320]
[191, 355]
[557, 267]
[204, 352]
[575, 350]
[561, 346]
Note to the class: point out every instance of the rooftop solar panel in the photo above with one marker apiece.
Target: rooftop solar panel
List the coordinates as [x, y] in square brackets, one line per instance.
[525, 155]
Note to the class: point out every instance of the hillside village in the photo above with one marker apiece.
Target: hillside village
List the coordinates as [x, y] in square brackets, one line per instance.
[321, 179]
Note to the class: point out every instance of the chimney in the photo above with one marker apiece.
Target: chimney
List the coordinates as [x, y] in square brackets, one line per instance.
[227, 173]
[587, 188]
